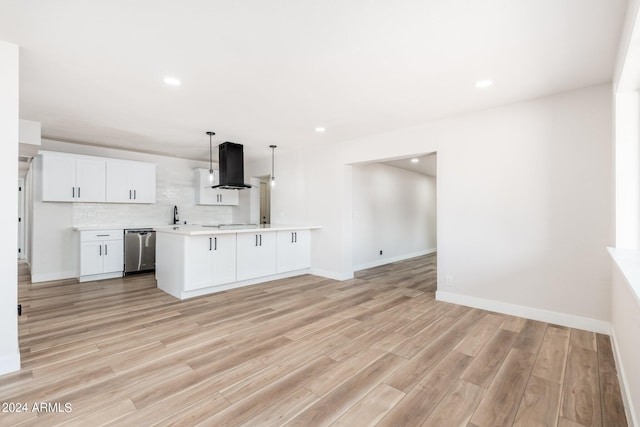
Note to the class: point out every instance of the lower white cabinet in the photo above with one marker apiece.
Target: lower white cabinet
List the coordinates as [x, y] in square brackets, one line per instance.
[294, 250]
[101, 252]
[256, 254]
[211, 261]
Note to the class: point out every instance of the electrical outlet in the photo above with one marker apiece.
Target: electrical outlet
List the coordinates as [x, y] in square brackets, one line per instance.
[380, 251]
[449, 281]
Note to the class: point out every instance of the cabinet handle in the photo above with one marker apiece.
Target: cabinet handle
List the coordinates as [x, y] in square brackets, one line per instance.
[100, 252]
[103, 235]
[73, 192]
[256, 240]
[291, 237]
[129, 194]
[295, 237]
[135, 197]
[209, 243]
[105, 249]
[215, 243]
[78, 192]
[261, 240]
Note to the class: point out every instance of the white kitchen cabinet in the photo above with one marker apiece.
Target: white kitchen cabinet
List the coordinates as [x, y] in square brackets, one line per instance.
[256, 254]
[211, 261]
[130, 181]
[294, 250]
[70, 178]
[101, 253]
[205, 195]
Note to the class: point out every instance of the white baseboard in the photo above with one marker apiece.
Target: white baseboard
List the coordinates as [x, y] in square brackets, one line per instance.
[624, 384]
[384, 261]
[532, 313]
[47, 277]
[9, 363]
[331, 274]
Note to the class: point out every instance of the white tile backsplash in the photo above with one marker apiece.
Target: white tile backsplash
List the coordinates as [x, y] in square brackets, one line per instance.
[174, 187]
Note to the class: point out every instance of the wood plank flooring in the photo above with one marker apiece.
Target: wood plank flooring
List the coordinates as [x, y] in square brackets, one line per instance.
[304, 351]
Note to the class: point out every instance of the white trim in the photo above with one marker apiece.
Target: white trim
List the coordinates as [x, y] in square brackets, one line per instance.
[384, 261]
[219, 288]
[539, 314]
[9, 363]
[624, 384]
[46, 277]
[331, 274]
[102, 276]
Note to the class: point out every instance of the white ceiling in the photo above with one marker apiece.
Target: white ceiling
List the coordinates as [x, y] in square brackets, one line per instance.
[267, 72]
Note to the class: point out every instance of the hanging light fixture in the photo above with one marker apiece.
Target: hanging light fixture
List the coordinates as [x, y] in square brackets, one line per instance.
[273, 177]
[210, 157]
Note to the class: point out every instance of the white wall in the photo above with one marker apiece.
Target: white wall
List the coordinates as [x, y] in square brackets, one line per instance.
[9, 350]
[625, 327]
[54, 249]
[524, 203]
[394, 210]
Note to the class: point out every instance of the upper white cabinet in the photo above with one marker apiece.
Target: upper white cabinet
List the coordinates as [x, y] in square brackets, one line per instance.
[205, 195]
[77, 178]
[130, 182]
[294, 250]
[68, 178]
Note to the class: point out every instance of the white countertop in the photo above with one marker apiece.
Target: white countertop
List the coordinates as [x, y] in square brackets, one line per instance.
[116, 227]
[198, 230]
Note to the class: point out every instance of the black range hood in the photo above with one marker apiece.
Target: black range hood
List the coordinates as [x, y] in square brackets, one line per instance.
[231, 163]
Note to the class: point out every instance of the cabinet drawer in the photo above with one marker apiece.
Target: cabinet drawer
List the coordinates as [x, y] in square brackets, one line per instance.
[88, 236]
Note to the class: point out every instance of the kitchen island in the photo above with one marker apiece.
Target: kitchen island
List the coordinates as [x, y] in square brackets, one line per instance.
[193, 260]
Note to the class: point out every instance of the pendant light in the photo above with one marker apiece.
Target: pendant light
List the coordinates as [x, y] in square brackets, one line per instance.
[210, 157]
[273, 177]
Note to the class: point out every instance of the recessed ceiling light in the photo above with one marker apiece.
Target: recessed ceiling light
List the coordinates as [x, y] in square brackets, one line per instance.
[172, 81]
[415, 160]
[320, 129]
[483, 83]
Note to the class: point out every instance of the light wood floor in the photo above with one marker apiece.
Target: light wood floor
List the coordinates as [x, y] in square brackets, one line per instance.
[305, 351]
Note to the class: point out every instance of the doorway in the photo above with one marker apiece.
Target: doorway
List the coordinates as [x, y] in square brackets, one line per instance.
[394, 210]
[265, 199]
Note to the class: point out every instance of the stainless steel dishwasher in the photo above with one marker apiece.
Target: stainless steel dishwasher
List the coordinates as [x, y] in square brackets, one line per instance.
[139, 250]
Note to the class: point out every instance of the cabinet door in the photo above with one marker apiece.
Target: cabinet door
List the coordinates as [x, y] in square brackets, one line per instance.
[198, 268]
[224, 259]
[58, 178]
[247, 256]
[90, 258]
[143, 182]
[286, 253]
[294, 250]
[118, 189]
[205, 195]
[229, 197]
[90, 180]
[112, 256]
[267, 253]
